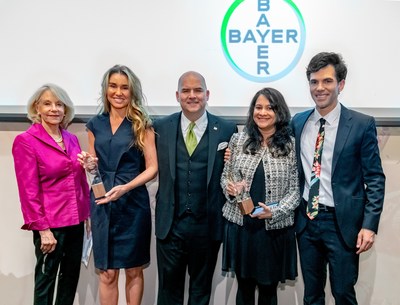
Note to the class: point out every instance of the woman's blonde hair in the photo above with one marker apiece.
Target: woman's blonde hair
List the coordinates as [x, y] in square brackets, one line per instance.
[60, 94]
[135, 112]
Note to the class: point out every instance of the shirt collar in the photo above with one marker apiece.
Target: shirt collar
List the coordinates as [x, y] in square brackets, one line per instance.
[201, 123]
[330, 118]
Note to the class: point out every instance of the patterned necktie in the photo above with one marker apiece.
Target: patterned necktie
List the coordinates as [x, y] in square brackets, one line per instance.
[313, 198]
[191, 140]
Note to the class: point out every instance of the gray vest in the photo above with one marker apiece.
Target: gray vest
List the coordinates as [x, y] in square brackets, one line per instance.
[191, 177]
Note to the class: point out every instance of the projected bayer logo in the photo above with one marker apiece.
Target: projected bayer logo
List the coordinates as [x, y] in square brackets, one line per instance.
[263, 40]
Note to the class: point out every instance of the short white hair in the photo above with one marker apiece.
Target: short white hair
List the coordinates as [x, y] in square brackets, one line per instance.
[60, 94]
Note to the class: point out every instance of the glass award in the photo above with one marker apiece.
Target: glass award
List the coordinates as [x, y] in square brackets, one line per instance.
[242, 195]
[94, 178]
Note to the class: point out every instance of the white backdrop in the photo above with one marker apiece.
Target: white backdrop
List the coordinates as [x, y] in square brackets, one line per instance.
[72, 43]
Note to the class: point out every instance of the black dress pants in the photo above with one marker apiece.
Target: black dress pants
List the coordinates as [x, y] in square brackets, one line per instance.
[321, 246]
[66, 258]
[187, 248]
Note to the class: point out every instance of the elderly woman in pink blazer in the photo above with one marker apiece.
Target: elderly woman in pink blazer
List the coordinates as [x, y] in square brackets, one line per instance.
[54, 193]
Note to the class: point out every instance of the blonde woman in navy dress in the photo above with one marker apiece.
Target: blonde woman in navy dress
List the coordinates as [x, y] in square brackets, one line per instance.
[123, 141]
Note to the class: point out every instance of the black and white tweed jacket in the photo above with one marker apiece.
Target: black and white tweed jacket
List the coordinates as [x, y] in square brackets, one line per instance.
[281, 182]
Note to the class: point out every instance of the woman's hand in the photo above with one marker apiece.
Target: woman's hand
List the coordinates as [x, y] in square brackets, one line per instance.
[264, 214]
[83, 158]
[231, 189]
[115, 193]
[48, 242]
[227, 154]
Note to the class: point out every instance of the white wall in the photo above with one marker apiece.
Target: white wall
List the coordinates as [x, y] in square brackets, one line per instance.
[379, 268]
[72, 43]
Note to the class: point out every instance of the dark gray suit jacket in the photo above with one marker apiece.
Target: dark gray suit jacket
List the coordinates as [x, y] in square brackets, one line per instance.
[358, 181]
[219, 130]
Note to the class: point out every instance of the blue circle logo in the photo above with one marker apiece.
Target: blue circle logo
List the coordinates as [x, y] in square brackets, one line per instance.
[263, 40]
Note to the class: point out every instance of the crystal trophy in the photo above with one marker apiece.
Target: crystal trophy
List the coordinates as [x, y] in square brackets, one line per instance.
[242, 195]
[95, 178]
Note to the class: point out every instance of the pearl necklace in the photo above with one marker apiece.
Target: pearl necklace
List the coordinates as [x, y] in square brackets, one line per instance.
[59, 139]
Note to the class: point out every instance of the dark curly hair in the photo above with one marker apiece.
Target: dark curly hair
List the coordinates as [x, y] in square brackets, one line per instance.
[323, 59]
[280, 143]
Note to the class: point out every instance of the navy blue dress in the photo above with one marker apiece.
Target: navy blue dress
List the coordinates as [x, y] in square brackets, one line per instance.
[121, 229]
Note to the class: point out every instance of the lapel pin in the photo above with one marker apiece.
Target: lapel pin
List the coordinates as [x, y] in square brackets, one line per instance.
[215, 128]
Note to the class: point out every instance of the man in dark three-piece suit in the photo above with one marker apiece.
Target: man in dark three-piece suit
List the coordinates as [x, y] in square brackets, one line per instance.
[341, 181]
[188, 219]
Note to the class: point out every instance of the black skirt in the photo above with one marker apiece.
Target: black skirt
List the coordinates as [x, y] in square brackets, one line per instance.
[251, 251]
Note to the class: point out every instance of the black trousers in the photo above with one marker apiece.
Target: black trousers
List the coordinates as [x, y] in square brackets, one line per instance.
[187, 247]
[267, 294]
[322, 246]
[66, 257]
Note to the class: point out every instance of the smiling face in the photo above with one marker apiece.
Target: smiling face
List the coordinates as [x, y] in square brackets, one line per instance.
[193, 95]
[50, 108]
[118, 91]
[264, 115]
[325, 89]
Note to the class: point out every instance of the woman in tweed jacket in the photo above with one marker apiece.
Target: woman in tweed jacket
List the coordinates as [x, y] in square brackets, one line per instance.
[261, 248]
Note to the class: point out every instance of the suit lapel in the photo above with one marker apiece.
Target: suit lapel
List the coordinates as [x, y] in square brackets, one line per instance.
[172, 138]
[213, 132]
[343, 132]
[299, 124]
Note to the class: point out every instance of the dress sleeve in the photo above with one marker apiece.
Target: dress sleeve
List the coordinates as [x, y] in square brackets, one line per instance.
[89, 125]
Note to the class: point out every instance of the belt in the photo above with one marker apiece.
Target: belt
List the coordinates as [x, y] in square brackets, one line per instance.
[325, 208]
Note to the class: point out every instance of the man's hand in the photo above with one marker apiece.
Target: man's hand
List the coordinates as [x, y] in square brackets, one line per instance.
[365, 240]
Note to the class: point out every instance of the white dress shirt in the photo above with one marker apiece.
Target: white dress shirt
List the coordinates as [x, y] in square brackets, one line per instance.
[307, 144]
[199, 129]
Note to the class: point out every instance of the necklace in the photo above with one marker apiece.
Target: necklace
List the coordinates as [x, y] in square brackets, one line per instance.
[58, 140]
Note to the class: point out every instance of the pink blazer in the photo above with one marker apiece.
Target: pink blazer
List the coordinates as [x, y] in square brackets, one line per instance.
[52, 185]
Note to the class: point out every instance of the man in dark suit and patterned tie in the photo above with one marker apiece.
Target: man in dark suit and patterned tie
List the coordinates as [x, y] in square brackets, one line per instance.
[341, 181]
[188, 220]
